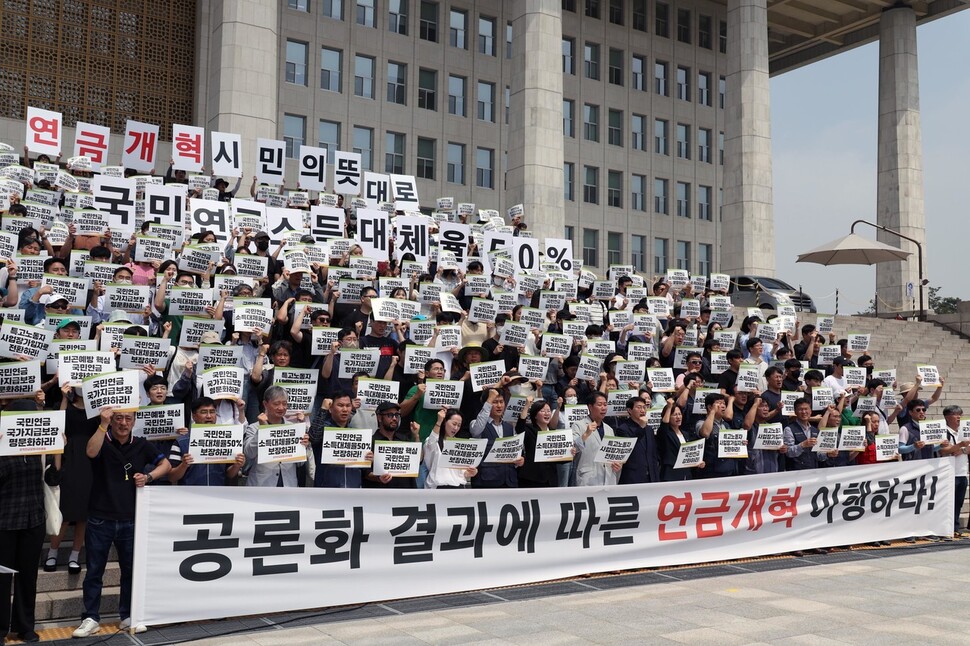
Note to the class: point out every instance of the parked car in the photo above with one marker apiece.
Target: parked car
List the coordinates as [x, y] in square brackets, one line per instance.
[744, 293]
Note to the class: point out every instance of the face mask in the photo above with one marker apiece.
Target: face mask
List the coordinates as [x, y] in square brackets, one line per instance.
[572, 400]
[262, 245]
[795, 374]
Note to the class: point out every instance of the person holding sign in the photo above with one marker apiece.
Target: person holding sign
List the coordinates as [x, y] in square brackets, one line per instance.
[588, 434]
[203, 475]
[710, 429]
[763, 460]
[390, 429]
[643, 465]
[537, 417]
[413, 404]
[333, 476]
[910, 391]
[670, 437]
[22, 529]
[489, 425]
[957, 449]
[911, 444]
[273, 474]
[439, 476]
[801, 435]
[119, 462]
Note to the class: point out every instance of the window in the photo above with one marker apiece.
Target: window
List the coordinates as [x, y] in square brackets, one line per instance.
[591, 122]
[456, 95]
[683, 141]
[660, 144]
[616, 12]
[721, 91]
[683, 199]
[705, 257]
[364, 76]
[683, 25]
[397, 16]
[591, 250]
[508, 40]
[637, 65]
[568, 56]
[614, 133]
[614, 248]
[365, 13]
[458, 25]
[569, 181]
[683, 83]
[638, 132]
[484, 164]
[569, 233]
[428, 25]
[639, 21]
[659, 256]
[720, 148]
[294, 131]
[486, 36]
[299, 5]
[616, 66]
[704, 145]
[568, 118]
[333, 9]
[397, 83]
[704, 88]
[364, 146]
[508, 103]
[329, 138]
[591, 185]
[704, 197]
[660, 71]
[683, 255]
[661, 195]
[331, 62]
[614, 188]
[638, 192]
[638, 253]
[722, 37]
[569, 5]
[394, 153]
[593, 9]
[662, 20]
[428, 89]
[296, 62]
[486, 101]
[705, 32]
[426, 158]
[591, 61]
[456, 163]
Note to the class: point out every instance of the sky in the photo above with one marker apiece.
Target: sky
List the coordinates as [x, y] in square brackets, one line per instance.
[824, 120]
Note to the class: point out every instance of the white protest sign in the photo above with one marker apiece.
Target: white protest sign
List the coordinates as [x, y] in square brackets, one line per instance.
[486, 374]
[827, 440]
[615, 449]
[215, 443]
[442, 393]
[554, 446]
[398, 459]
[732, 444]
[690, 454]
[932, 431]
[749, 379]
[346, 446]
[140, 351]
[661, 380]
[159, 422]
[280, 443]
[372, 392]
[887, 447]
[119, 389]
[224, 382]
[852, 438]
[930, 375]
[22, 340]
[354, 361]
[31, 432]
[463, 453]
[506, 450]
[770, 437]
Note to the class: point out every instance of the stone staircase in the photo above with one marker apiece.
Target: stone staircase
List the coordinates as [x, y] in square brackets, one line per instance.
[59, 596]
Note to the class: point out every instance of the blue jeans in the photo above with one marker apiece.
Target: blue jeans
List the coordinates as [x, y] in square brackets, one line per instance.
[100, 535]
[959, 494]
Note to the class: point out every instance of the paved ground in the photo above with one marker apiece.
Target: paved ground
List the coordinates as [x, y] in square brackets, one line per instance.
[901, 595]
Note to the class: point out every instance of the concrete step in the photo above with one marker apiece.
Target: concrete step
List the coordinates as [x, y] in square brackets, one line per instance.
[62, 581]
[67, 605]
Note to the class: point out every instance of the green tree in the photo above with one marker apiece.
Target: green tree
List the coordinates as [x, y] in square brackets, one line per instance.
[942, 304]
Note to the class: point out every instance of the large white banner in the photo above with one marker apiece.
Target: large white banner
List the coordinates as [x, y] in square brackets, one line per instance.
[247, 550]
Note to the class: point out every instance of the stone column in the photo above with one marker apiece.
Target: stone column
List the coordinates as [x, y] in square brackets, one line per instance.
[535, 139]
[899, 185]
[238, 71]
[748, 230]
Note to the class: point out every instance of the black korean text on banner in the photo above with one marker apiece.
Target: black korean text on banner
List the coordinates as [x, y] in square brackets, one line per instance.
[413, 236]
[138, 352]
[188, 144]
[44, 131]
[224, 382]
[226, 157]
[462, 453]
[215, 443]
[21, 340]
[313, 168]
[269, 161]
[116, 196]
[164, 204]
[327, 223]
[282, 222]
[31, 432]
[280, 443]
[19, 378]
[141, 142]
[159, 422]
[404, 189]
[373, 233]
[526, 254]
[211, 216]
[346, 173]
[119, 389]
[440, 393]
[398, 459]
[456, 238]
[346, 446]
[377, 189]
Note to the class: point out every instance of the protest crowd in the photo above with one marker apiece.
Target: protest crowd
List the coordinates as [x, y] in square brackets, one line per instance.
[168, 331]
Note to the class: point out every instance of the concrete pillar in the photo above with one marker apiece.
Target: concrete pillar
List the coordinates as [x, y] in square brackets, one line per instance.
[748, 230]
[899, 187]
[535, 139]
[238, 71]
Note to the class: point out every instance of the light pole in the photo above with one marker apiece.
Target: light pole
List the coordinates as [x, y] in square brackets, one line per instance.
[919, 259]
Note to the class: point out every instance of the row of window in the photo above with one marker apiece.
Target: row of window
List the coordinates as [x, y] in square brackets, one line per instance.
[366, 12]
[638, 252]
[639, 20]
[638, 192]
[638, 67]
[362, 142]
[638, 132]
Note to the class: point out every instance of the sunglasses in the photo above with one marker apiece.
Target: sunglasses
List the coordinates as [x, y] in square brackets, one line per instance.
[919, 410]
